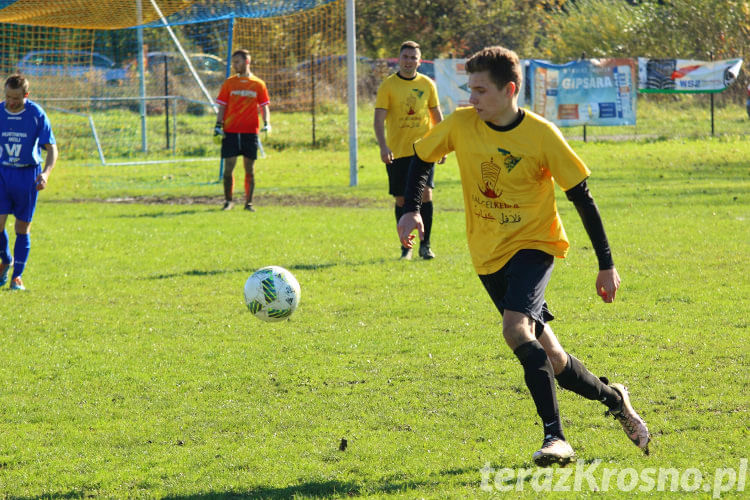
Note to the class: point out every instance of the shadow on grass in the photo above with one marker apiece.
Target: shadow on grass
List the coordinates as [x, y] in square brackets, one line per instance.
[313, 489]
[158, 215]
[247, 270]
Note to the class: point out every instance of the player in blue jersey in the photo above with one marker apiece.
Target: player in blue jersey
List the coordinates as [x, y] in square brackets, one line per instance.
[24, 131]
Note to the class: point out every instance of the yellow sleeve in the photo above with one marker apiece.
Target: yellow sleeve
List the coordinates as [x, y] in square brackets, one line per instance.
[383, 98]
[433, 100]
[564, 164]
[437, 143]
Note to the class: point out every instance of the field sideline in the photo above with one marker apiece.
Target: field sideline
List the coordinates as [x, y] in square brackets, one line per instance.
[131, 367]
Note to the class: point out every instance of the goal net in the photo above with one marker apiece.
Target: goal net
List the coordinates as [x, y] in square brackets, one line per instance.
[134, 80]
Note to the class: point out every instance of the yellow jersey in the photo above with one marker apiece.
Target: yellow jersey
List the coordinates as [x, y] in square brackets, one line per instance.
[508, 176]
[408, 103]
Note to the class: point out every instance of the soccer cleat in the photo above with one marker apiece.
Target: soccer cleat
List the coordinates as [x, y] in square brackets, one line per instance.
[554, 451]
[631, 422]
[17, 284]
[405, 253]
[249, 207]
[426, 252]
[228, 205]
[4, 268]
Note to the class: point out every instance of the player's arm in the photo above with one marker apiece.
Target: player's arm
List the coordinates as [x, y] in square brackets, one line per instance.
[49, 164]
[419, 173]
[437, 117]
[265, 114]
[221, 110]
[386, 155]
[607, 281]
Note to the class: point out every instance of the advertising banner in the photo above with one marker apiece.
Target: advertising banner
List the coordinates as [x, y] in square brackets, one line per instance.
[586, 92]
[668, 76]
[451, 81]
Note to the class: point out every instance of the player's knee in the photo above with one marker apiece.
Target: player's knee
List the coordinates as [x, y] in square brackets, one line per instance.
[517, 329]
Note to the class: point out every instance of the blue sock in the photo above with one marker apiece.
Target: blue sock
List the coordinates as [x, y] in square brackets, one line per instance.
[4, 247]
[20, 253]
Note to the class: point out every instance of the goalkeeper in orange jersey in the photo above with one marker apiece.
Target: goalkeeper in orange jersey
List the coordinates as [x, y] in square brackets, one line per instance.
[406, 108]
[509, 160]
[241, 98]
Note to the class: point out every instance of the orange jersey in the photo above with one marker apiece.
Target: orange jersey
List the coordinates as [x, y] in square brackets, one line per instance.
[242, 96]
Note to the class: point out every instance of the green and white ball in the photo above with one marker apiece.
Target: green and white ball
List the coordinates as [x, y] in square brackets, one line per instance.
[272, 293]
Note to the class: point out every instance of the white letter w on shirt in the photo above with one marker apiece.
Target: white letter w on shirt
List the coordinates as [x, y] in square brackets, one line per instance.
[14, 150]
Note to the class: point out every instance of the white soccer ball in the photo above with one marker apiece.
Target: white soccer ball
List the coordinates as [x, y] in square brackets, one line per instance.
[272, 293]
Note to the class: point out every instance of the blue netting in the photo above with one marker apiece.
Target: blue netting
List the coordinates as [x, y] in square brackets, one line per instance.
[208, 10]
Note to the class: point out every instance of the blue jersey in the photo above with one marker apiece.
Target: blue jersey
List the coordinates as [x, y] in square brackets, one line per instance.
[23, 134]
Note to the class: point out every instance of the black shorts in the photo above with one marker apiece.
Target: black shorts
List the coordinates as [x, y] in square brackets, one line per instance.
[519, 285]
[239, 145]
[398, 174]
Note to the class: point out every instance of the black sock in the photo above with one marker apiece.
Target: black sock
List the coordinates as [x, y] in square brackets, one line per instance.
[426, 212]
[540, 379]
[575, 377]
[399, 212]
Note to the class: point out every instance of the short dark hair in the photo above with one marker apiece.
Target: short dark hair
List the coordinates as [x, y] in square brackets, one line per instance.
[17, 81]
[409, 45]
[502, 65]
[242, 52]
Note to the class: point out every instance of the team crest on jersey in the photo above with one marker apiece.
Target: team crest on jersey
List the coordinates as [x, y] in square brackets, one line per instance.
[411, 105]
[490, 176]
[419, 93]
[509, 160]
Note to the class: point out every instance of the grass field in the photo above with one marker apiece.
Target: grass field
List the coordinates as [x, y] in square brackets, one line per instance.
[131, 367]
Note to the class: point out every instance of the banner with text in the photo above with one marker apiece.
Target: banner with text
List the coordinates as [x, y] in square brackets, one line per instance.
[585, 92]
[668, 76]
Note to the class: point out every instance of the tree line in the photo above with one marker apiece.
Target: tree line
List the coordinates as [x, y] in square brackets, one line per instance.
[560, 30]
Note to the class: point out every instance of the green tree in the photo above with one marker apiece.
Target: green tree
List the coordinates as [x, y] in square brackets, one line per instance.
[447, 27]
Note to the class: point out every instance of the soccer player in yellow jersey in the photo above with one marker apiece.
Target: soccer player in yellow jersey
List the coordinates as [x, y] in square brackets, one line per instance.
[509, 159]
[406, 108]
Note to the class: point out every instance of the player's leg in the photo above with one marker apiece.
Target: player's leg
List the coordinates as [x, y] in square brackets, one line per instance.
[229, 164]
[572, 375]
[518, 292]
[21, 250]
[397, 172]
[24, 205]
[249, 150]
[6, 260]
[230, 150]
[426, 211]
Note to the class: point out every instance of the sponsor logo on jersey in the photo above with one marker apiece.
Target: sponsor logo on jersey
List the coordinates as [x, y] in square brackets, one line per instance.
[244, 93]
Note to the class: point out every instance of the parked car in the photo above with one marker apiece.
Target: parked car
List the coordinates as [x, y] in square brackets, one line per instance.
[208, 66]
[76, 64]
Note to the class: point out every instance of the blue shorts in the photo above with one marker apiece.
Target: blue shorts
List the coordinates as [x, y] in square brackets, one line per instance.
[18, 192]
[519, 285]
[398, 174]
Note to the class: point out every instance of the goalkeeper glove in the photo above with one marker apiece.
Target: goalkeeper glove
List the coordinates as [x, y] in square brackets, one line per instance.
[218, 133]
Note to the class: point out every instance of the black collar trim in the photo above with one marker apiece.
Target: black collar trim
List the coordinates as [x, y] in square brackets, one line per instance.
[398, 74]
[511, 126]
